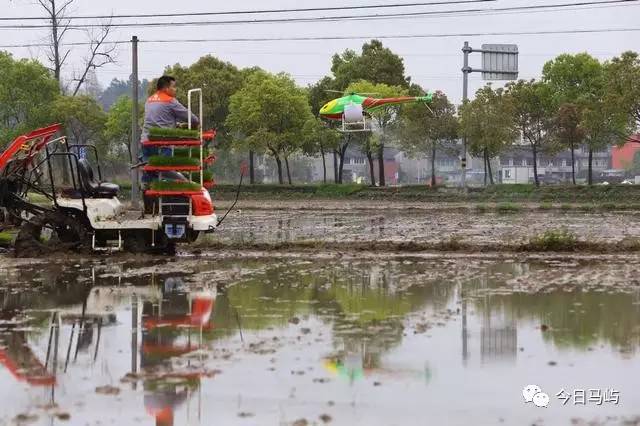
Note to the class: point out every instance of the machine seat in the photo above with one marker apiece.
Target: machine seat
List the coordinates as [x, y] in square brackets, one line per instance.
[93, 188]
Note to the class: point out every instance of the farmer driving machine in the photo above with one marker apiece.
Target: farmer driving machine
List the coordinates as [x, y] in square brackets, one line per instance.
[55, 193]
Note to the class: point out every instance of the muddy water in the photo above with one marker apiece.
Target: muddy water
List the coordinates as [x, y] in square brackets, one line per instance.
[421, 225]
[408, 341]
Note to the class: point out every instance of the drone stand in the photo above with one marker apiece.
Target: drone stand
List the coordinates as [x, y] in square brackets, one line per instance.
[354, 120]
[355, 127]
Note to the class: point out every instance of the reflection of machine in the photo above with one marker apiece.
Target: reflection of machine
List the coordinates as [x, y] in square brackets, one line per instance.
[169, 328]
[18, 358]
[362, 360]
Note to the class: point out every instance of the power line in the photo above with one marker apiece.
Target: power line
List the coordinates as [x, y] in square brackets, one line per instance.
[409, 15]
[330, 38]
[256, 12]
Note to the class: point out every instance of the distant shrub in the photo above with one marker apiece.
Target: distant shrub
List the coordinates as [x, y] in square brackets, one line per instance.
[546, 206]
[554, 240]
[505, 208]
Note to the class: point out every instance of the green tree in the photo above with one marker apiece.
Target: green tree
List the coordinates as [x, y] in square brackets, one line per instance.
[579, 80]
[118, 88]
[376, 64]
[270, 111]
[532, 106]
[117, 130]
[83, 118]
[219, 80]
[623, 82]
[425, 130]
[27, 90]
[318, 138]
[605, 123]
[385, 117]
[573, 78]
[320, 93]
[487, 122]
[568, 132]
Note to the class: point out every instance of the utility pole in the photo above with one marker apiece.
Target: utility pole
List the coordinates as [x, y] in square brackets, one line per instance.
[466, 70]
[135, 136]
[499, 62]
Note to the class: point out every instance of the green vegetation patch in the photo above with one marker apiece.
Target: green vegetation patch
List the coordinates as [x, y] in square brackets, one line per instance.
[506, 208]
[6, 239]
[546, 206]
[175, 186]
[554, 240]
[159, 134]
[329, 190]
[193, 152]
[164, 161]
[206, 174]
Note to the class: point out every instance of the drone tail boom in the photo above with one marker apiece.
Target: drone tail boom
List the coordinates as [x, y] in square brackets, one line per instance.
[372, 103]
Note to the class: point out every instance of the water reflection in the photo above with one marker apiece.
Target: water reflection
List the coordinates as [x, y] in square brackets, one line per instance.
[165, 334]
[172, 326]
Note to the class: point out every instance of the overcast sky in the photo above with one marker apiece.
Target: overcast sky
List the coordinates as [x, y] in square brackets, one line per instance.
[434, 63]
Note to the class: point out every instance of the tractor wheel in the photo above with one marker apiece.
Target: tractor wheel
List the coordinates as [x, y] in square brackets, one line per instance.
[28, 242]
[68, 232]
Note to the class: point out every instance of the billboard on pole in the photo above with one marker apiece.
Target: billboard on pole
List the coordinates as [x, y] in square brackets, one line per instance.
[499, 61]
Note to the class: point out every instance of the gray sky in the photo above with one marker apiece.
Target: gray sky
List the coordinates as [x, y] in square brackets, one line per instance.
[433, 63]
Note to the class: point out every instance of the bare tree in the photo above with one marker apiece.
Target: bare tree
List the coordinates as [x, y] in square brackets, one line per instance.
[100, 54]
[100, 51]
[59, 27]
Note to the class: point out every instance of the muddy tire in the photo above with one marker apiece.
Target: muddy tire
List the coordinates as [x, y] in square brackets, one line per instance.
[69, 233]
[28, 242]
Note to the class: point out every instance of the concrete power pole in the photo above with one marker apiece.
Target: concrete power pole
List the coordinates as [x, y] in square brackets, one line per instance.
[135, 134]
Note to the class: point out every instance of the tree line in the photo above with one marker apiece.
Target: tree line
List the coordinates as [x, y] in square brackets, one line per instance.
[578, 102]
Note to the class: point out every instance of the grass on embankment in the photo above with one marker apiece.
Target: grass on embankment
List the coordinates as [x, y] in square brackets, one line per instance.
[610, 196]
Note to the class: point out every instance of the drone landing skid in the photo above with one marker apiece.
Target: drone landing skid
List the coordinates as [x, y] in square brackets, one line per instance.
[360, 126]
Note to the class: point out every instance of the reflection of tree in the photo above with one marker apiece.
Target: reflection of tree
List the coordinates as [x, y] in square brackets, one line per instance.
[580, 319]
[368, 307]
[574, 317]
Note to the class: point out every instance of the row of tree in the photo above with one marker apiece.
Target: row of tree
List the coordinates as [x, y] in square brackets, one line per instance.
[578, 102]
[30, 97]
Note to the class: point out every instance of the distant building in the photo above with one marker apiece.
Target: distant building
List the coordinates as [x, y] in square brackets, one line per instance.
[622, 157]
[516, 165]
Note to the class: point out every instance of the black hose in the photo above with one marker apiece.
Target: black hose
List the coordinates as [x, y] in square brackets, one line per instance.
[235, 202]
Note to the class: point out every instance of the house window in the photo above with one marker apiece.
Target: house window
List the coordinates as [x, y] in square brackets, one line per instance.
[524, 162]
[564, 163]
[511, 162]
[550, 163]
[507, 173]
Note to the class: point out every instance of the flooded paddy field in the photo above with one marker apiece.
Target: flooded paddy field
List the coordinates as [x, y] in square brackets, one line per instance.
[284, 339]
[265, 223]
